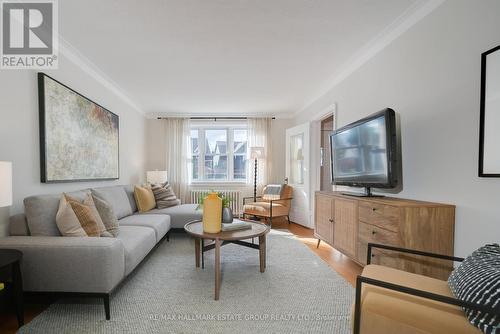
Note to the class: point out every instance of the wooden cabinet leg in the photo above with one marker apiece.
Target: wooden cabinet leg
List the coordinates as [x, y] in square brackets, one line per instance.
[217, 268]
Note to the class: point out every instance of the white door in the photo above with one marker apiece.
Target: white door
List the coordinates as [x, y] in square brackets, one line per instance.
[297, 172]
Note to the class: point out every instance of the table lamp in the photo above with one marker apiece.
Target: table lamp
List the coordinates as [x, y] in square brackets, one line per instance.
[156, 177]
[256, 153]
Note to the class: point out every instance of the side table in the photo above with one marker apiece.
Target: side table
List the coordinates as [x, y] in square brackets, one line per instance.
[10, 262]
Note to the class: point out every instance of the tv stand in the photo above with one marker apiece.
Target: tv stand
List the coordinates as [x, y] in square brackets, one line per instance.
[349, 224]
[367, 193]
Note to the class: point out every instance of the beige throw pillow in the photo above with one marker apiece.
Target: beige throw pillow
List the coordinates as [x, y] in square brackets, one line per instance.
[107, 215]
[144, 198]
[67, 221]
[88, 216]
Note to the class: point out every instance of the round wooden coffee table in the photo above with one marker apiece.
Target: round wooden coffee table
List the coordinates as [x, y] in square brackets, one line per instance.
[195, 228]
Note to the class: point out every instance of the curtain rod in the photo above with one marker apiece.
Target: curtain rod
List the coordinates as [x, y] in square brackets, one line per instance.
[215, 118]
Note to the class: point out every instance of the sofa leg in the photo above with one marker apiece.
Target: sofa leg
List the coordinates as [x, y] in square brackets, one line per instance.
[288, 219]
[168, 236]
[106, 306]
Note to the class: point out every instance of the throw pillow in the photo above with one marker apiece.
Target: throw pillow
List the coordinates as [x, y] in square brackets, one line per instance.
[107, 215]
[477, 280]
[89, 218]
[67, 221]
[164, 196]
[272, 192]
[144, 198]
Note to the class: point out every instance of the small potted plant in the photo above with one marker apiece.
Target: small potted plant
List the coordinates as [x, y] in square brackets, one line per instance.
[227, 213]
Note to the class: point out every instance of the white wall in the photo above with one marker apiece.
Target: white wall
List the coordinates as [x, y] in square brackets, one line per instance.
[431, 77]
[19, 135]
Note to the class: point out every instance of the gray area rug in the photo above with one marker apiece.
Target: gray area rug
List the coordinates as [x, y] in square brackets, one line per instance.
[298, 293]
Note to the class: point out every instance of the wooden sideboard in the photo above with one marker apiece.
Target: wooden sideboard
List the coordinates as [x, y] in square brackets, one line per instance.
[349, 223]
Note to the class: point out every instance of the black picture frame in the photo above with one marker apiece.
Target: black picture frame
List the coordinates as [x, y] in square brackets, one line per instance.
[482, 116]
[42, 133]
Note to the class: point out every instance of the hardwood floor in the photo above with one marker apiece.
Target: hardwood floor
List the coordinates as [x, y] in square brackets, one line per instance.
[340, 263]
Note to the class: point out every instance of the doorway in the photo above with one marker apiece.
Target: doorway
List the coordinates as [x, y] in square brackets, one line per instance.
[326, 129]
[297, 172]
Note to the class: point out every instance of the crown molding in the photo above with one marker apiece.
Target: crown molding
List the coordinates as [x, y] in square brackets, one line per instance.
[398, 27]
[86, 65]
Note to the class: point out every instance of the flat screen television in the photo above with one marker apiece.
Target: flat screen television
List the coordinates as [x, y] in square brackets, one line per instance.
[364, 153]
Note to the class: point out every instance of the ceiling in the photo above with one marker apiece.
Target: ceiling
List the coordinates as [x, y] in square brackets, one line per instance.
[232, 57]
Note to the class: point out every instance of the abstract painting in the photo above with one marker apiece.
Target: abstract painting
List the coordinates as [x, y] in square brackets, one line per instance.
[79, 139]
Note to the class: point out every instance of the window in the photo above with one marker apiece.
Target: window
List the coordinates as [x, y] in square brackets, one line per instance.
[219, 154]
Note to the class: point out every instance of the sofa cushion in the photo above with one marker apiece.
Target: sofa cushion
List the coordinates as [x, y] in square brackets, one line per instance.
[117, 197]
[180, 215]
[137, 242]
[41, 213]
[55, 264]
[18, 225]
[144, 198]
[387, 311]
[263, 209]
[107, 215]
[129, 190]
[160, 223]
[477, 280]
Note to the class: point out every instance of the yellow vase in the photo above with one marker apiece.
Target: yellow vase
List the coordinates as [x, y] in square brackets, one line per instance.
[212, 213]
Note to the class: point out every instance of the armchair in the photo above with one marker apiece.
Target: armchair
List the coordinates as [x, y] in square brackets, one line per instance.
[268, 206]
[393, 301]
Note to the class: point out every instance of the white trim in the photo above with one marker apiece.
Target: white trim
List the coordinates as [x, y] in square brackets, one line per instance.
[86, 65]
[315, 155]
[405, 21]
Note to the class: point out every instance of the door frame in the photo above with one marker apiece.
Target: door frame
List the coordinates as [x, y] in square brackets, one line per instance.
[314, 162]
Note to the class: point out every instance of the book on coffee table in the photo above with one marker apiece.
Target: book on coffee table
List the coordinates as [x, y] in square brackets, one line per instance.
[236, 226]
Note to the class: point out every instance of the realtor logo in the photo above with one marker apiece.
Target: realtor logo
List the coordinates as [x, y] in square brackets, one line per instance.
[29, 34]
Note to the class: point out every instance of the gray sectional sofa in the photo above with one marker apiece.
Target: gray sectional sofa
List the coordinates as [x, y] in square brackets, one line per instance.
[85, 266]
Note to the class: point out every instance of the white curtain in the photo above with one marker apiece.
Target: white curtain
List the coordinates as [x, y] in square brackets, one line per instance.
[259, 135]
[177, 139]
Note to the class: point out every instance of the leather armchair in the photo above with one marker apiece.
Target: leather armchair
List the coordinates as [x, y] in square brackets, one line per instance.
[269, 208]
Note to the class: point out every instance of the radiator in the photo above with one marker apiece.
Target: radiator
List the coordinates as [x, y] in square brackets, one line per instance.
[233, 195]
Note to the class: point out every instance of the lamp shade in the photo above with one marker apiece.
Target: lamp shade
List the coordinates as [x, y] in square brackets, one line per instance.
[156, 176]
[256, 152]
[5, 183]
